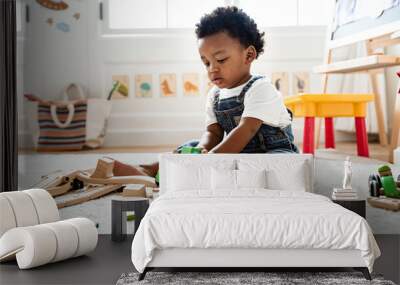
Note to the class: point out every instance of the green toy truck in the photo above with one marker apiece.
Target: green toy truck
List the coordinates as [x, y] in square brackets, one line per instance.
[390, 188]
[184, 150]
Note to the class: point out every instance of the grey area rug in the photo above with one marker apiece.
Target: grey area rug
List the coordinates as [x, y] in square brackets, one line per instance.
[269, 278]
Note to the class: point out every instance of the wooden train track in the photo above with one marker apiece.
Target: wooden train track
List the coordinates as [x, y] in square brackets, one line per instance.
[385, 203]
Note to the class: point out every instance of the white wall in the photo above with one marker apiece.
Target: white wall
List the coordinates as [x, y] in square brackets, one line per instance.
[54, 58]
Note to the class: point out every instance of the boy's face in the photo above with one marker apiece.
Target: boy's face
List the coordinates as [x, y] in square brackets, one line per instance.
[226, 60]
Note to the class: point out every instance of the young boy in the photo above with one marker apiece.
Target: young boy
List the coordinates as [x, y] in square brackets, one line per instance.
[244, 113]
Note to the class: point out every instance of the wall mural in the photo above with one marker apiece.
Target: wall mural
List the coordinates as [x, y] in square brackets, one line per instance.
[191, 84]
[53, 5]
[301, 82]
[168, 85]
[120, 87]
[50, 21]
[63, 27]
[281, 82]
[60, 25]
[143, 85]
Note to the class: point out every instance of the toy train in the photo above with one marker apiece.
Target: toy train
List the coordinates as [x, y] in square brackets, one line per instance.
[384, 183]
[384, 190]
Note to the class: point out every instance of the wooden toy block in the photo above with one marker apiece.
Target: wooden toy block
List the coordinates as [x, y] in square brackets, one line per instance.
[83, 195]
[59, 190]
[64, 184]
[134, 179]
[104, 168]
[384, 203]
[134, 190]
[49, 182]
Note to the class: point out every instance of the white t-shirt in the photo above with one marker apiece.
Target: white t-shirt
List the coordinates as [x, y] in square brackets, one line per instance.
[261, 101]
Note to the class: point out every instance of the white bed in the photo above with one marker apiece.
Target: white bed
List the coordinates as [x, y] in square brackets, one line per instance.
[220, 211]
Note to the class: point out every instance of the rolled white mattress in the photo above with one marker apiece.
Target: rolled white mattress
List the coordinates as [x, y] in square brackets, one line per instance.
[40, 244]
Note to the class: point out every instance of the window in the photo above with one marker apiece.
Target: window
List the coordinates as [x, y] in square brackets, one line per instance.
[315, 12]
[271, 13]
[187, 18]
[130, 15]
[158, 14]
[137, 14]
[288, 12]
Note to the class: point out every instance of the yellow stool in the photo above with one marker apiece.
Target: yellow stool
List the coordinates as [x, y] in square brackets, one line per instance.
[329, 106]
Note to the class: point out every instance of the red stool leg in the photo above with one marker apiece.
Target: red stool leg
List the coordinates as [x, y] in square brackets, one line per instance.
[308, 138]
[362, 137]
[329, 133]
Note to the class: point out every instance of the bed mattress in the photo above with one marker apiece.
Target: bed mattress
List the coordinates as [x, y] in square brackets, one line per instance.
[250, 219]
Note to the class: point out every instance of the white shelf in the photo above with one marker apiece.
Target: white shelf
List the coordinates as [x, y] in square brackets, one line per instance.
[359, 64]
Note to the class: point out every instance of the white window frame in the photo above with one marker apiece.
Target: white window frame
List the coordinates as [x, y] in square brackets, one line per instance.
[105, 30]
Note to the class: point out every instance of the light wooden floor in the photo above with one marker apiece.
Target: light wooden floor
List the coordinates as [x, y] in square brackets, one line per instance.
[349, 148]
[376, 151]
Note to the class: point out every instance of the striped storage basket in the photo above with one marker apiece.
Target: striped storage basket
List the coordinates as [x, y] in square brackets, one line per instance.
[72, 123]
[62, 127]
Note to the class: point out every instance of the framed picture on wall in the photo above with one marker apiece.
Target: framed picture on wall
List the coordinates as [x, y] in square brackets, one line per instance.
[144, 85]
[168, 85]
[120, 87]
[191, 84]
[301, 82]
[281, 82]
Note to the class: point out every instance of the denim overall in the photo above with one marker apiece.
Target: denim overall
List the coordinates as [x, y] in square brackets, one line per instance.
[268, 139]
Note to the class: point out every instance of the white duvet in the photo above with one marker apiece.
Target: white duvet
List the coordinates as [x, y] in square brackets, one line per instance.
[250, 219]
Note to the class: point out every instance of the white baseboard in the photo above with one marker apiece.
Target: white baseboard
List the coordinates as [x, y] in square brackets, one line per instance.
[161, 129]
[154, 120]
[147, 137]
[150, 137]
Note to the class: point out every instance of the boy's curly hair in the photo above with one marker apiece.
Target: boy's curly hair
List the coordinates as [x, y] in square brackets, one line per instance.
[236, 23]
